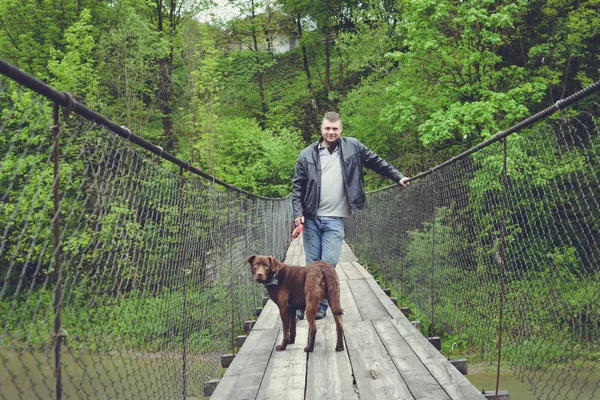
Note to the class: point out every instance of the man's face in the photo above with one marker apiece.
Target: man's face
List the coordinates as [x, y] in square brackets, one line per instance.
[331, 132]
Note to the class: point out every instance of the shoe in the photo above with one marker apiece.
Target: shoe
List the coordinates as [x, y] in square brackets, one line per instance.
[300, 314]
[321, 313]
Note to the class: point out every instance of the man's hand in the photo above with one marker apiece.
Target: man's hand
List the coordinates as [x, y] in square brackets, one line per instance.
[298, 222]
[403, 182]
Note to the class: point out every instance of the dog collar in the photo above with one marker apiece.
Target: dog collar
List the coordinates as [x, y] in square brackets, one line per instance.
[272, 282]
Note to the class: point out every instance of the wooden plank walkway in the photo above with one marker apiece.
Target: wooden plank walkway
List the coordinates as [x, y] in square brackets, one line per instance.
[386, 357]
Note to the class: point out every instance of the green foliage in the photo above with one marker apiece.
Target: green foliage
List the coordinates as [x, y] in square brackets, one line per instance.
[364, 118]
[240, 90]
[135, 321]
[368, 43]
[126, 52]
[204, 94]
[26, 180]
[565, 34]
[419, 81]
[250, 158]
[475, 94]
[31, 30]
[74, 69]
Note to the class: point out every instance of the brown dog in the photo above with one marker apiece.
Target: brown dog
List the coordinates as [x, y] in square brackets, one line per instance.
[298, 288]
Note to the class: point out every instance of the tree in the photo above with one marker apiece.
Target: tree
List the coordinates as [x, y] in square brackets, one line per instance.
[74, 70]
[31, 30]
[126, 51]
[454, 79]
[167, 19]
[250, 158]
[298, 10]
[256, 18]
[201, 59]
[560, 42]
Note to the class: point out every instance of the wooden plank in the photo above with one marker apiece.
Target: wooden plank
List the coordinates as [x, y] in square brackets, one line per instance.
[243, 377]
[295, 253]
[351, 313]
[374, 371]
[296, 259]
[329, 373]
[340, 273]
[385, 301]
[298, 256]
[368, 303]
[298, 249]
[350, 270]
[289, 258]
[269, 317]
[255, 351]
[416, 375]
[292, 260]
[453, 382]
[238, 387]
[286, 373]
[347, 253]
[362, 270]
[290, 252]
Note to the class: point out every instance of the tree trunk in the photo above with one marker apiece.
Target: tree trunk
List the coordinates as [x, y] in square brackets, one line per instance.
[263, 103]
[165, 75]
[261, 91]
[341, 73]
[165, 87]
[327, 65]
[312, 116]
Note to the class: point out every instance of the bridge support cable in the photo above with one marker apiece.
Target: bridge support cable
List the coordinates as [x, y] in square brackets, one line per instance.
[502, 252]
[57, 270]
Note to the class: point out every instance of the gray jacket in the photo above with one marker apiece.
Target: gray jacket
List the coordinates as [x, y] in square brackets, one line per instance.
[353, 155]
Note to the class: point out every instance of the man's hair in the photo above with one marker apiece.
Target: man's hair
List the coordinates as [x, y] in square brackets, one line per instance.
[331, 116]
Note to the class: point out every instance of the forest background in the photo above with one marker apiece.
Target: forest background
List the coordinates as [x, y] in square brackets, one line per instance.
[417, 81]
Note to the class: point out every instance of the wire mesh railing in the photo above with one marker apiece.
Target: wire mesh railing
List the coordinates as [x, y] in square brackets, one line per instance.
[122, 274]
[499, 250]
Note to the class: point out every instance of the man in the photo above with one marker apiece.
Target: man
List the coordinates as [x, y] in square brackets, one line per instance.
[327, 186]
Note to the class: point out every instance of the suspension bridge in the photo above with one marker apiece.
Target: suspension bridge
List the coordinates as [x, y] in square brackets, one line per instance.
[123, 276]
[386, 357]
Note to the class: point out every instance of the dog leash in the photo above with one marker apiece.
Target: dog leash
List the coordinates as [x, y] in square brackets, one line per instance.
[297, 231]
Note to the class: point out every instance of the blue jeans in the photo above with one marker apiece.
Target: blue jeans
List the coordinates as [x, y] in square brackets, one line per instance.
[323, 238]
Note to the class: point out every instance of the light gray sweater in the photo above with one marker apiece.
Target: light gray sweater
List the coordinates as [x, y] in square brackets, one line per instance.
[334, 199]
